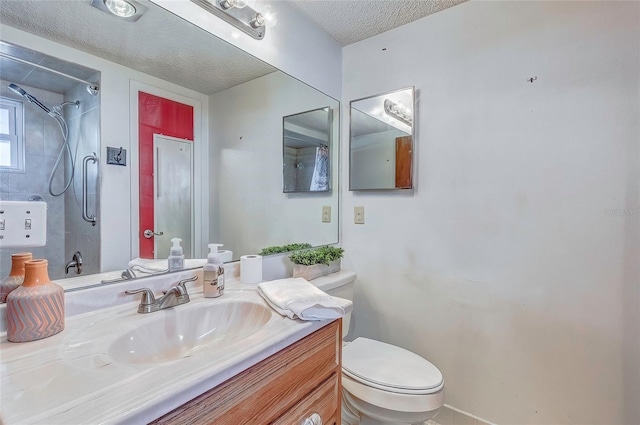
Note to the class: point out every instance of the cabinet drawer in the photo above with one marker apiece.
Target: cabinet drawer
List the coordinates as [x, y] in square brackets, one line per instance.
[324, 401]
[264, 392]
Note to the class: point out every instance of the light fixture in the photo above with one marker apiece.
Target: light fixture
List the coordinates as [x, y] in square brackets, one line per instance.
[239, 14]
[398, 111]
[121, 8]
[125, 9]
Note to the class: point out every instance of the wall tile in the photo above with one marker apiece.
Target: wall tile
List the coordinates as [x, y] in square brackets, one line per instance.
[53, 139]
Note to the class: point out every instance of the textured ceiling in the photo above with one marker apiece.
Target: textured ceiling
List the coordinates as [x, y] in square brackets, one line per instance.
[159, 43]
[350, 21]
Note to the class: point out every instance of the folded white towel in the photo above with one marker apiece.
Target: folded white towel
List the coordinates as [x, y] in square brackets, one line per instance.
[159, 265]
[297, 298]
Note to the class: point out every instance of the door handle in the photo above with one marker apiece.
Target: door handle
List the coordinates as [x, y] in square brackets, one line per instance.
[150, 233]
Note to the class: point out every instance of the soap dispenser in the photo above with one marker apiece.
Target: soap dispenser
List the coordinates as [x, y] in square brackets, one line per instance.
[176, 257]
[213, 273]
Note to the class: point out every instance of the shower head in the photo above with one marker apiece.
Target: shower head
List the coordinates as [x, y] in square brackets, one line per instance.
[19, 90]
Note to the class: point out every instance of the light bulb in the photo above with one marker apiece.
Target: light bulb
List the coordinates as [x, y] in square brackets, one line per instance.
[121, 8]
[270, 16]
[227, 4]
[257, 21]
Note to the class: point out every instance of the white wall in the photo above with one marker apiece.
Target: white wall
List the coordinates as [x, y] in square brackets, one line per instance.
[295, 45]
[246, 152]
[515, 259]
[114, 216]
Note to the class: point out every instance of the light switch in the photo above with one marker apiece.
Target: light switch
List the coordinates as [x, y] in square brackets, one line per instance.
[326, 214]
[358, 215]
[23, 224]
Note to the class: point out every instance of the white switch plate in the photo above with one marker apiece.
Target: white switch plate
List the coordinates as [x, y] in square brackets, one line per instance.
[326, 214]
[23, 224]
[358, 215]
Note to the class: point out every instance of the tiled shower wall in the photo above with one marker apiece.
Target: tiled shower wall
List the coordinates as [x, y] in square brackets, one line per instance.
[298, 178]
[43, 141]
[84, 131]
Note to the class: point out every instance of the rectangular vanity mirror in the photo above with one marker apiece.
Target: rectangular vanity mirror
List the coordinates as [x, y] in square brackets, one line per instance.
[306, 151]
[233, 114]
[381, 141]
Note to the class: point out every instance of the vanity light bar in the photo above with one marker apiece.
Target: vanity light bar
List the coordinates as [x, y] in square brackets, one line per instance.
[398, 112]
[245, 19]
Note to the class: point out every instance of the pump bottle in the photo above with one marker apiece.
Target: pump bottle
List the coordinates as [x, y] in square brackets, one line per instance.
[176, 257]
[213, 273]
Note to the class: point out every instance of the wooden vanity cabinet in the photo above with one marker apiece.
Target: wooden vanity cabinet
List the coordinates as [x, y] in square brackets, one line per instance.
[284, 389]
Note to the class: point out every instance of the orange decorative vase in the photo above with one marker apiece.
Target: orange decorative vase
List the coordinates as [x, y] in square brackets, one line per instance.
[16, 275]
[35, 310]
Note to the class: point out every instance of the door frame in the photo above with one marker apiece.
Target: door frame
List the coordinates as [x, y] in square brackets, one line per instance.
[200, 195]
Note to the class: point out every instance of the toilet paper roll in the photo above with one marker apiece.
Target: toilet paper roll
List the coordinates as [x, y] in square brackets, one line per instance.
[251, 269]
[225, 255]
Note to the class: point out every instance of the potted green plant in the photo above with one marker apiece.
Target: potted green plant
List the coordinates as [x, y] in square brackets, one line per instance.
[317, 262]
[270, 250]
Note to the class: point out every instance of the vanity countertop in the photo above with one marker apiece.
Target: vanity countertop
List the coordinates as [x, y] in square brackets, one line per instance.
[69, 378]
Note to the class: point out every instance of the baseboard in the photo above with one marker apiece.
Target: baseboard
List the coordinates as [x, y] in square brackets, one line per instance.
[449, 415]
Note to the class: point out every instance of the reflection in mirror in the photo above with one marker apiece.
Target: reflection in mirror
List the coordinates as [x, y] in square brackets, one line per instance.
[306, 151]
[58, 124]
[250, 211]
[243, 101]
[381, 141]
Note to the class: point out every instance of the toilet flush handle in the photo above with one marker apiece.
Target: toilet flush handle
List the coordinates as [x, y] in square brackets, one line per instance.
[314, 419]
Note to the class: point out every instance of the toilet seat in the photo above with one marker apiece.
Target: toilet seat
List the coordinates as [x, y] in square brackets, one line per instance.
[390, 368]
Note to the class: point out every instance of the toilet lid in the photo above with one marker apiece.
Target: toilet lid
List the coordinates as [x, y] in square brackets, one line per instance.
[389, 368]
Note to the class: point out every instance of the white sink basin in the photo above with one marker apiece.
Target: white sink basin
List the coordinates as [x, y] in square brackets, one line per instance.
[185, 330]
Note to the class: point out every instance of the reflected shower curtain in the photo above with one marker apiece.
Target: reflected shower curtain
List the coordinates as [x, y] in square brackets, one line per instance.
[320, 178]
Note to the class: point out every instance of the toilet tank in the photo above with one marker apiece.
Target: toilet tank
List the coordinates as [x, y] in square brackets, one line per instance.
[339, 284]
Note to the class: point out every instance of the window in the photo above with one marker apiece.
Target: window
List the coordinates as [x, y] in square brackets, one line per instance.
[11, 137]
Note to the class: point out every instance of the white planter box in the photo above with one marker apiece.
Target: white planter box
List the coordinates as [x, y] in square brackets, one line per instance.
[317, 270]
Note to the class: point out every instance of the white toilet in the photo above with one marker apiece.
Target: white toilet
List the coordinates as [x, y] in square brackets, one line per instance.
[382, 383]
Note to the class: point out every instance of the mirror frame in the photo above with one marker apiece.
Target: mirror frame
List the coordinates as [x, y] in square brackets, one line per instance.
[413, 138]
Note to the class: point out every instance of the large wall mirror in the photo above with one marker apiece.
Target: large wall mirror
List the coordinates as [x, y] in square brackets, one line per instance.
[381, 141]
[243, 101]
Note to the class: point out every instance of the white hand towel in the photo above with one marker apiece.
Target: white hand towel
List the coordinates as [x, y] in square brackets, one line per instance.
[159, 265]
[297, 298]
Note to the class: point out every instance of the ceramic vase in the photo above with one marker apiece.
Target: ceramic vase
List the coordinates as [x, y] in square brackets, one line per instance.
[35, 310]
[16, 275]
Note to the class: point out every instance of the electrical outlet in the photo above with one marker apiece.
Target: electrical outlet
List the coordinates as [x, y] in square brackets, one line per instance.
[326, 214]
[358, 215]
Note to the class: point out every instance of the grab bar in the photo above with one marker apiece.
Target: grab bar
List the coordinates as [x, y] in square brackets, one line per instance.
[85, 214]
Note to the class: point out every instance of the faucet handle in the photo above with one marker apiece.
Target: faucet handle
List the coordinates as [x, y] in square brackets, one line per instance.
[147, 295]
[182, 284]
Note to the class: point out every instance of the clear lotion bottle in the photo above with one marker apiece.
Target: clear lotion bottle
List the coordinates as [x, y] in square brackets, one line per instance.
[213, 273]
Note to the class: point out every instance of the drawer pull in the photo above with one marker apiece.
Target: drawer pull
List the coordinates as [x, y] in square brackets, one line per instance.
[314, 419]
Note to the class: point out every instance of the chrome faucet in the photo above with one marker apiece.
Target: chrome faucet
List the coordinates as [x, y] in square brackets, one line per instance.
[76, 262]
[175, 296]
